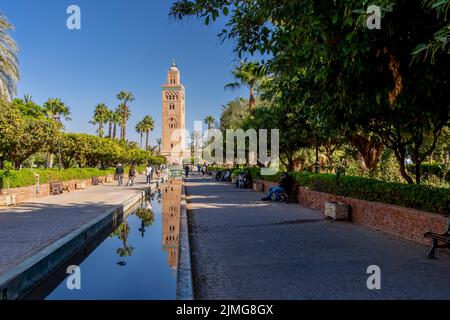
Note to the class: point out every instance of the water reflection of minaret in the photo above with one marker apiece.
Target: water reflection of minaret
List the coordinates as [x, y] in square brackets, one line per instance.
[171, 199]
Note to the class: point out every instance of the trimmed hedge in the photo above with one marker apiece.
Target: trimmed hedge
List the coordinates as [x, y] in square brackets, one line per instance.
[26, 177]
[419, 197]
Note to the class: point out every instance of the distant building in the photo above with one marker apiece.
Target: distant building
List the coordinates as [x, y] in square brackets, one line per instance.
[173, 118]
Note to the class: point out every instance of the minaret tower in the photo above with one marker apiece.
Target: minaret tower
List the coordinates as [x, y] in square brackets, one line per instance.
[173, 117]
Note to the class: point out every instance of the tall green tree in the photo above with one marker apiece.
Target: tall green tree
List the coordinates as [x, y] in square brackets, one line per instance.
[440, 40]
[140, 129]
[101, 114]
[209, 121]
[55, 108]
[148, 126]
[116, 120]
[123, 109]
[28, 107]
[110, 120]
[249, 75]
[159, 143]
[9, 65]
[358, 80]
[22, 136]
[233, 114]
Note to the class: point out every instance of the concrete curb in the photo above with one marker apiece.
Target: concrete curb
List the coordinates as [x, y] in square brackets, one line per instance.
[184, 272]
[16, 282]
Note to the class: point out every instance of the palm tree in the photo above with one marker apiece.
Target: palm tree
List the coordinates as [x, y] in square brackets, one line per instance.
[110, 120]
[195, 139]
[9, 70]
[28, 98]
[159, 142]
[124, 114]
[125, 97]
[140, 129]
[249, 75]
[209, 121]
[116, 119]
[149, 125]
[101, 114]
[55, 108]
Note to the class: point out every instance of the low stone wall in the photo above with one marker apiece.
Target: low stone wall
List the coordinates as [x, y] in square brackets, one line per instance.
[30, 192]
[404, 222]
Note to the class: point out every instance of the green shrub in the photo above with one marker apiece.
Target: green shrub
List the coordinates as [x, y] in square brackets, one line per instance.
[26, 177]
[421, 197]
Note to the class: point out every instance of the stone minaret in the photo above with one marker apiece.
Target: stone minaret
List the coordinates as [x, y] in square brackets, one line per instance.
[171, 199]
[173, 117]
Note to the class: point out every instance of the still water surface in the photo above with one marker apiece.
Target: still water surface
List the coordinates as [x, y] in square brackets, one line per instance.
[138, 260]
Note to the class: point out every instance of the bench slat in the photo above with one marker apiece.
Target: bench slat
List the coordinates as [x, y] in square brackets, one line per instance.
[440, 237]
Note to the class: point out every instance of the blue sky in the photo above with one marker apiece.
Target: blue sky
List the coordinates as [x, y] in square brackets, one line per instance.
[123, 45]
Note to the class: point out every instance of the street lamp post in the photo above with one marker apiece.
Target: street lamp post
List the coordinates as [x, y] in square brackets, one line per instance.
[316, 165]
[317, 154]
[58, 121]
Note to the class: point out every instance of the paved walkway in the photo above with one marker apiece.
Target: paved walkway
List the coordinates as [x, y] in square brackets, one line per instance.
[29, 227]
[243, 248]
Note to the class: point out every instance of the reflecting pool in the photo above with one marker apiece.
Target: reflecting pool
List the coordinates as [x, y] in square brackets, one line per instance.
[138, 260]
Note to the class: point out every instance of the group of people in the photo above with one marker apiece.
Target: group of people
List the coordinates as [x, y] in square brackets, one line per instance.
[202, 169]
[223, 176]
[244, 180]
[150, 172]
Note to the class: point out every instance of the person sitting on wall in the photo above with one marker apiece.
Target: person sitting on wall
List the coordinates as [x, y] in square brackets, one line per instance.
[247, 179]
[218, 175]
[283, 187]
[240, 180]
[227, 176]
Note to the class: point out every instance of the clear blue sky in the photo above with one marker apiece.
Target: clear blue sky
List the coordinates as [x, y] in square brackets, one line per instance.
[123, 45]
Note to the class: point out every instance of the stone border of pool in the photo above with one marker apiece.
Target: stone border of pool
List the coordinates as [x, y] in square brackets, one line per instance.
[184, 272]
[18, 281]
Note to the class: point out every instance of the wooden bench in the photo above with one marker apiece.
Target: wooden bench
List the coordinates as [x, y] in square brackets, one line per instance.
[96, 181]
[439, 241]
[57, 188]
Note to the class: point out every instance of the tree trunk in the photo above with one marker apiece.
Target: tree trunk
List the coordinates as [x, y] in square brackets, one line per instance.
[291, 165]
[123, 128]
[50, 161]
[146, 140]
[114, 131]
[110, 129]
[330, 163]
[417, 172]
[141, 140]
[401, 161]
[251, 102]
[370, 150]
[100, 129]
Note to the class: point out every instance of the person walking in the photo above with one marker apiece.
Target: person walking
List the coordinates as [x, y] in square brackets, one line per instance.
[204, 168]
[186, 171]
[119, 174]
[148, 174]
[131, 176]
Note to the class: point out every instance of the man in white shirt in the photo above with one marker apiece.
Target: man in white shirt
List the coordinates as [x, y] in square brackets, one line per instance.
[148, 173]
